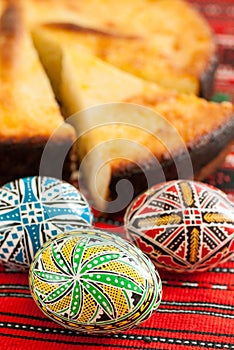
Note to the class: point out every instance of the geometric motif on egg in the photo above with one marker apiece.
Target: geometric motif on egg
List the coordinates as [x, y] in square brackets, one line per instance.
[33, 210]
[94, 282]
[183, 225]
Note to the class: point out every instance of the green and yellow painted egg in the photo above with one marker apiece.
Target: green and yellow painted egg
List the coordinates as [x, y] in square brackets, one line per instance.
[94, 282]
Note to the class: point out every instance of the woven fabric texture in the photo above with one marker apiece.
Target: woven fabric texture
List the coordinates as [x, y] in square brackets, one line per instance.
[197, 310]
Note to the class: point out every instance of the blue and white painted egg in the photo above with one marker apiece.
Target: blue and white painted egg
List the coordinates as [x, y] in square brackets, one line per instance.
[33, 210]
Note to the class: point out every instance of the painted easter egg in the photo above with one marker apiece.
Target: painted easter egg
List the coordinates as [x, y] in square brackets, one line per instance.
[94, 282]
[34, 209]
[183, 225]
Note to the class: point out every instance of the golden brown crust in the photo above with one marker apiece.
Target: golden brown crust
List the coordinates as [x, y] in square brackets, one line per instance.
[29, 114]
[178, 120]
[11, 32]
[11, 20]
[177, 53]
[142, 57]
[192, 117]
[208, 76]
[27, 103]
[206, 155]
[27, 123]
[76, 28]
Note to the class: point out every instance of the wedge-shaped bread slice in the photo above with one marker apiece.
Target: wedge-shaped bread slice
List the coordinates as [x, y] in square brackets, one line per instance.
[149, 39]
[116, 142]
[29, 114]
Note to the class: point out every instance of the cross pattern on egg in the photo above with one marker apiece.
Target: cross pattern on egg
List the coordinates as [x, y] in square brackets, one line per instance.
[192, 217]
[183, 225]
[34, 209]
[31, 213]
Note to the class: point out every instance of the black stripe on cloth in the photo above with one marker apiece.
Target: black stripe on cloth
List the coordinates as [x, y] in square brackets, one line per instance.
[14, 286]
[7, 271]
[195, 284]
[183, 331]
[165, 340]
[37, 318]
[198, 304]
[162, 310]
[196, 312]
[163, 302]
[49, 340]
[144, 328]
[222, 270]
[17, 295]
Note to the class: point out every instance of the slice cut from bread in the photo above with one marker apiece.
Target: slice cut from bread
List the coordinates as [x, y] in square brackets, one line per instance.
[167, 42]
[173, 125]
[29, 114]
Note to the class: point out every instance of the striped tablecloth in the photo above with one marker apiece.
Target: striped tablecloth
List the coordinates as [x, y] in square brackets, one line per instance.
[197, 310]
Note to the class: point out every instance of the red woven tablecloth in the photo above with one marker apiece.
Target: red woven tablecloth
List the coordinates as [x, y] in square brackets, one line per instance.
[197, 310]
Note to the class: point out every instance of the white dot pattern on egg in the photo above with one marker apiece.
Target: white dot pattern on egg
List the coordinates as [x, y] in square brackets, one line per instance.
[94, 282]
[183, 225]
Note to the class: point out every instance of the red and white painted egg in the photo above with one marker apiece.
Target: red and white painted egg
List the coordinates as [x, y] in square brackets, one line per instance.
[183, 225]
